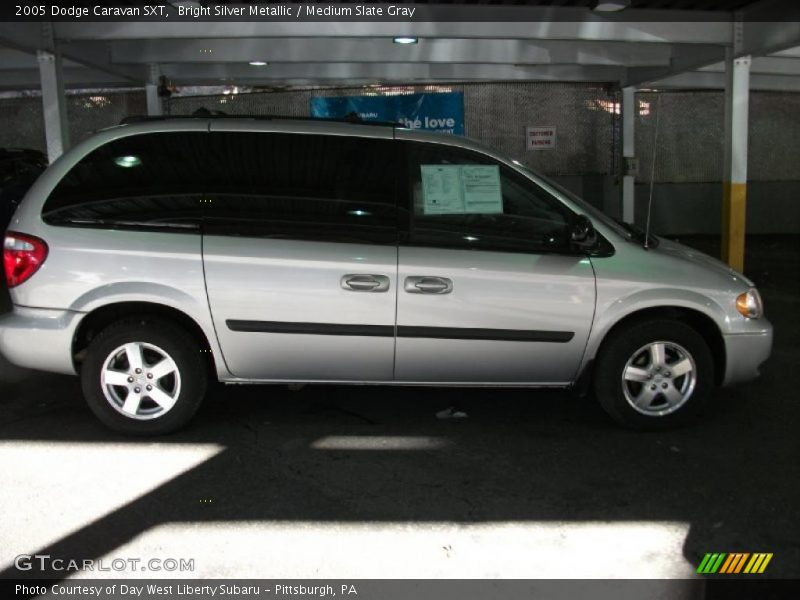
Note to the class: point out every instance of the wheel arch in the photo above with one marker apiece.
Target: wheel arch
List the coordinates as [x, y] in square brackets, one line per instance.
[699, 321]
[99, 318]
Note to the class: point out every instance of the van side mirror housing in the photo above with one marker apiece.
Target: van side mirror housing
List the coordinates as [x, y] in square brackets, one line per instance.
[582, 234]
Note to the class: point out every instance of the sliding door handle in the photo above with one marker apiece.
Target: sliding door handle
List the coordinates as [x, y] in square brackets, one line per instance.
[365, 283]
[428, 285]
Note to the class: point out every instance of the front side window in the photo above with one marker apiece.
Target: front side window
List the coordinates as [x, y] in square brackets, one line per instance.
[302, 186]
[146, 180]
[462, 199]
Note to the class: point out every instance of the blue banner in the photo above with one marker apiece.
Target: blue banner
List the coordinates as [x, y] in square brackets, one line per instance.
[431, 112]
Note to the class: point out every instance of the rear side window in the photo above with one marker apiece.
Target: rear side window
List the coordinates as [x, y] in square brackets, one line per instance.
[302, 186]
[150, 180]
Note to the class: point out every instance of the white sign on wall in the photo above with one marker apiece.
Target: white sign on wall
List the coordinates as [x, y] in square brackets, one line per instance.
[540, 138]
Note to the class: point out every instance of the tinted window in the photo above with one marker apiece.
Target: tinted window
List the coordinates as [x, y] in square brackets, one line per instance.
[462, 199]
[143, 180]
[300, 186]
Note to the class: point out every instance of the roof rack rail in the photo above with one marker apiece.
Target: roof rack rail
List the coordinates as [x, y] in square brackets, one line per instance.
[351, 118]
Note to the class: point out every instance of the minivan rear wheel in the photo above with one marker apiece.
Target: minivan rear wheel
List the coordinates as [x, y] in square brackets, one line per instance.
[654, 374]
[144, 376]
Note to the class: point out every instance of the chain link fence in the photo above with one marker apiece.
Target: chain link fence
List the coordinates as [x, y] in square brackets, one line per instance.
[495, 113]
[586, 118]
[691, 136]
[22, 120]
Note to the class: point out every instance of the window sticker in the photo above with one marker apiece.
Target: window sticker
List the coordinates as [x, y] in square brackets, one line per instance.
[441, 190]
[461, 189]
[482, 193]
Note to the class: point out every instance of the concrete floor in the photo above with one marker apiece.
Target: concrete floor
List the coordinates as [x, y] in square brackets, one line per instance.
[366, 482]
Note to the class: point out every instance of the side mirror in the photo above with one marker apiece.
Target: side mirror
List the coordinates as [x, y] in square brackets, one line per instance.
[582, 233]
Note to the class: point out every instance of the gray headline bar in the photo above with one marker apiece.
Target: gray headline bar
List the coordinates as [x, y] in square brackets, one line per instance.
[181, 11]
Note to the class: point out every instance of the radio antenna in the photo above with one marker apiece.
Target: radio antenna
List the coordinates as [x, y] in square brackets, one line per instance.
[652, 174]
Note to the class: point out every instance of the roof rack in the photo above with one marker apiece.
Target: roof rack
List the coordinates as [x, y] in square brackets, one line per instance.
[352, 118]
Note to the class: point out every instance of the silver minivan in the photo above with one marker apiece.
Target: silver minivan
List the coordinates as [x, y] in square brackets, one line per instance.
[160, 253]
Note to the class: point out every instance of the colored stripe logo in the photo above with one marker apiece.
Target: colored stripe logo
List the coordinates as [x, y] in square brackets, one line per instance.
[734, 563]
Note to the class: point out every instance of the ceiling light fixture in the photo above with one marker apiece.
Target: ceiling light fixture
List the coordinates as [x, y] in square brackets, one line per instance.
[405, 40]
[258, 63]
[611, 5]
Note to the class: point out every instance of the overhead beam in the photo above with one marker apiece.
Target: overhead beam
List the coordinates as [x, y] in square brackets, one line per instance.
[81, 77]
[593, 27]
[684, 58]
[352, 50]
[27, 37]
[790, 53]
[705, 80]
[11, 58]
[767, 65]
[769, 26]
[380, 73]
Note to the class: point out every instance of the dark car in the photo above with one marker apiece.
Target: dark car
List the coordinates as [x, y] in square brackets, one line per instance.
[19, 168]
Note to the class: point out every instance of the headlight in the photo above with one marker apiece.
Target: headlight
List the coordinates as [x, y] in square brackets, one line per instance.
[749, 304]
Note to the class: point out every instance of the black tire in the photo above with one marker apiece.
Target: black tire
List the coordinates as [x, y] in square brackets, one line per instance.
[188, 393]
[623, 345]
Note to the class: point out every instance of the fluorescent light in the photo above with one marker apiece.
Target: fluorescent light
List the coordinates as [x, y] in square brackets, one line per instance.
[611, 5]
[359, 213]
[258, 63]
[127, 161]
[405, 40]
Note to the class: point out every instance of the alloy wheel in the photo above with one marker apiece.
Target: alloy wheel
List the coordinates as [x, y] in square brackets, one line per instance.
[140, 380]
[659, 378]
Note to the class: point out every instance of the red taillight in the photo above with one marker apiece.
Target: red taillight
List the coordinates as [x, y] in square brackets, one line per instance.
[22, 256]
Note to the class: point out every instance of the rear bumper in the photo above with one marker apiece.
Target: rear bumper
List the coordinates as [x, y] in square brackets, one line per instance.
[39, 338]
[745, 353]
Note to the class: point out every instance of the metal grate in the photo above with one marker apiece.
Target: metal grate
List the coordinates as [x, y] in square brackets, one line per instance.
[692, 136]
[586, 117]
[22, 125]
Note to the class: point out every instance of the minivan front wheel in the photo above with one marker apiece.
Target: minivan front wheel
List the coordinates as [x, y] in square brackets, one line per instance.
[654, 374]
[144, 376]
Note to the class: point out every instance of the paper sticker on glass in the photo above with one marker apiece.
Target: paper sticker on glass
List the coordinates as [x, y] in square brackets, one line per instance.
[461, 189]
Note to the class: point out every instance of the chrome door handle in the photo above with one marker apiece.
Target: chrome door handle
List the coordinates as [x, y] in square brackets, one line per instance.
[355, 282]
[428, 285]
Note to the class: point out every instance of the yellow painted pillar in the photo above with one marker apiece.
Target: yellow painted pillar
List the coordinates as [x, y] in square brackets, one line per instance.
[734, 192]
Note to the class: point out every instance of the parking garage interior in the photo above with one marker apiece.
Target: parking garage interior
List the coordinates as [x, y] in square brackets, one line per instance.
[682, 117]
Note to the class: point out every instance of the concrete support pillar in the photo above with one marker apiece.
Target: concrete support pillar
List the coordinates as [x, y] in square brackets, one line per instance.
[734, 195]
[154, 106]
[628, 180]
[56, 128]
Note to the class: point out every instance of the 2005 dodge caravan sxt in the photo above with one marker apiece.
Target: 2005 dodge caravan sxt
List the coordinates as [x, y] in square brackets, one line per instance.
[268, 250]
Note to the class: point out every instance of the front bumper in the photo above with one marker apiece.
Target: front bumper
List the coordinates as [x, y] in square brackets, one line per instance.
[39, 338]
[745, 353]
